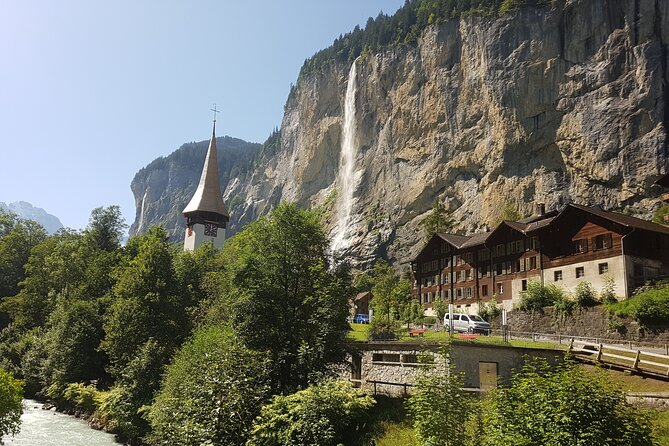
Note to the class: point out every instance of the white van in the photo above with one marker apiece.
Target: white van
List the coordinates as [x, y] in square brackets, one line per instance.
[467, 323]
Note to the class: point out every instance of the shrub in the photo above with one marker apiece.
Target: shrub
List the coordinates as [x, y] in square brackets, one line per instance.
[608, 295]
[11, 407]
[490, 310]
[325, 414]
[537, 296]
[383, 330]
[649, 306]
[82, 397]
[585, 295]
[211, 393]
[563, 405]
[564, 305]
[439, 407]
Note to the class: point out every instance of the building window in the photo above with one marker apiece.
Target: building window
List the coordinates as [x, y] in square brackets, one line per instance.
[468, 292]
[580, 246]
[484, 290]
[532, 263]
[519, 246]
[458, 293]
[580, 272]
[469, 257]
[499, 250]
[468, 274]
[603, 241]
[483, 254]
[500, 288]
[524, 285]
[500, 269]
[557, 276]
[520, 265]
[603, 268]
[534, 243]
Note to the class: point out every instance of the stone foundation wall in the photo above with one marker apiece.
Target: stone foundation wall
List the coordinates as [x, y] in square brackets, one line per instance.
[590, 322]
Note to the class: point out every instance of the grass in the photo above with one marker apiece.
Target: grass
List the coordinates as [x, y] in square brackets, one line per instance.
[659, 422]
[629, 382]
[359, 333]
[396, 434]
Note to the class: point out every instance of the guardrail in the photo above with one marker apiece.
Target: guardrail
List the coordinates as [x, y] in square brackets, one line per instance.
[634, 359]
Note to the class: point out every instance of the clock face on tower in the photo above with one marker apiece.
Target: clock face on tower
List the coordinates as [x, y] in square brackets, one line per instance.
[210, 229]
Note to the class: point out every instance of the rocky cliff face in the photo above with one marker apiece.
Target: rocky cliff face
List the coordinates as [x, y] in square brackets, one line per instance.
[163, 188]
[554, 104]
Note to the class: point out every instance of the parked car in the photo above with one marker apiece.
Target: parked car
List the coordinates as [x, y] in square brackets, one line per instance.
[467, 323]
[361, 319]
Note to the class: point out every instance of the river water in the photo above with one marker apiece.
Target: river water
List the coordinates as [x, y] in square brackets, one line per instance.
[41, 427]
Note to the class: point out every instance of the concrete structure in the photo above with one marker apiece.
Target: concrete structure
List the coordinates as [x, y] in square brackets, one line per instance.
[578, 244]
[386, 367]
[206, 214]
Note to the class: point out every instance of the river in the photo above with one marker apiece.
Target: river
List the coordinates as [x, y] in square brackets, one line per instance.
[41, 427]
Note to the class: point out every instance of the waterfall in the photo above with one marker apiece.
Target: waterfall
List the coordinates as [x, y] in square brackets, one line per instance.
[347, 179]
[140, 226]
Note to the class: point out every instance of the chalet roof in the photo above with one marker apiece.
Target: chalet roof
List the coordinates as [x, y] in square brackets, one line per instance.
[663, 181]
[453, 239]
[363, 295]
[476, 240]
[208, 197]
[621, 219]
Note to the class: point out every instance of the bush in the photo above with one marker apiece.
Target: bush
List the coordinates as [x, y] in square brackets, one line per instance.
[608, 295]
[537, 296]
[649, 306]
[326, 414]
[563, 405]
[585, 295]
[75, 396]
[439, 407]
[383, 330]
[11, 406]
[211, 393]
[490, 310]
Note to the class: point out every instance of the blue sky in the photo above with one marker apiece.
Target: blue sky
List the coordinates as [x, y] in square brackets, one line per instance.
[92, 91]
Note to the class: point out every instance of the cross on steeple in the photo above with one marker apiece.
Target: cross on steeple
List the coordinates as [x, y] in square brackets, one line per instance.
[215, 110]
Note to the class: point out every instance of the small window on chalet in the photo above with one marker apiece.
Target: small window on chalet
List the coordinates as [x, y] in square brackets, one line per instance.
[483, 254]
[469, 257]
[499, 250]
[468, 292]
[557, 276]
[603, 268]
[520, 246]
[484, 290]
[534, 243]
[603, 241]
[579, 246]
[458, 293]
[499, 269]
[532, 263]
[524, 285]
[580, 272]
[500, 288]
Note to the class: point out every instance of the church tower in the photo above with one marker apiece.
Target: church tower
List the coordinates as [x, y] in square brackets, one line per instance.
[206, 214]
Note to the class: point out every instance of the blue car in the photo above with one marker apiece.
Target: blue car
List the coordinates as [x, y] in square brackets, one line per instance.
[361, 319]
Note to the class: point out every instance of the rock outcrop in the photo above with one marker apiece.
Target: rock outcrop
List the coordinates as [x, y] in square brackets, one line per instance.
[557, 104]
[27, 211]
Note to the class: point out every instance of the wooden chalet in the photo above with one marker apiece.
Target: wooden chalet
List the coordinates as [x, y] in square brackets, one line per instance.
[578, 244]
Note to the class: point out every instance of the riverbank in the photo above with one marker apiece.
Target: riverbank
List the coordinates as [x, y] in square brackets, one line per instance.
[48, 427]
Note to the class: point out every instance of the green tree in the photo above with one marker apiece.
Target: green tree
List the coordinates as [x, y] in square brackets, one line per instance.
[390, 293]
[106, 227]
[440, 220]
[289, 302]
[562, 406]
[538, 296]
[11, 406]
[211, 393]
[660, 215]
[439, 406]
[327, 414]
[146, 303]
[17, 239]
[508, 213]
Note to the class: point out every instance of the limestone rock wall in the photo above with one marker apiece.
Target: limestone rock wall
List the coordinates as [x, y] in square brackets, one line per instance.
[558, 104]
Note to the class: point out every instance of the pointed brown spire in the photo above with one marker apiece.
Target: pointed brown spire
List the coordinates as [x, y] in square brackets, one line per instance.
[208, 197]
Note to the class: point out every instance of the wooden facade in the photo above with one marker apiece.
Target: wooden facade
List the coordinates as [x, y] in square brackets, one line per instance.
[578, 244]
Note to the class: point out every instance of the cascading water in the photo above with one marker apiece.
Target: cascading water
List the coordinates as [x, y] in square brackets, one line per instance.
[347, 179]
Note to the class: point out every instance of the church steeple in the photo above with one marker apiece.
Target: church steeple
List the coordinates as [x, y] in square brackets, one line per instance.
[206, 208]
